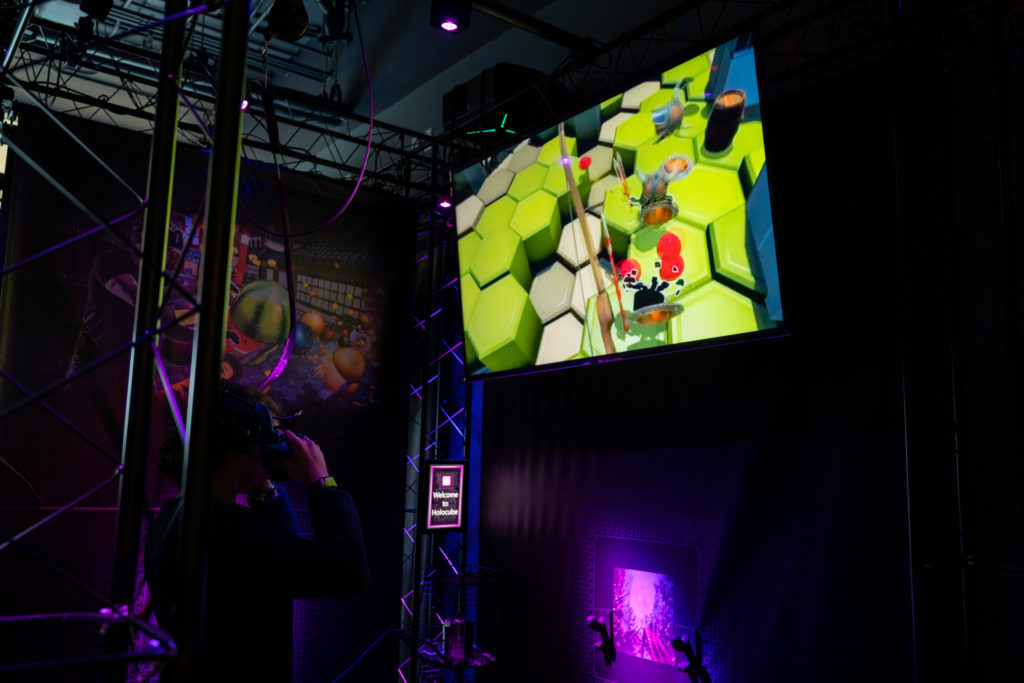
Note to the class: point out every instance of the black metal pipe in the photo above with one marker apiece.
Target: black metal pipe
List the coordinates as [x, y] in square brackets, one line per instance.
[19, 30]
[530, 24]
[208, 350]
[135, 442]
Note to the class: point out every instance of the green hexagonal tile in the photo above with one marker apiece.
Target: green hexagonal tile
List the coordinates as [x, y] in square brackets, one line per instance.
[467, 212]
[715, 310]
[595, 199]
[536, 220]
[551, 292]
[572, 247]
[470, 294]
[650, 157]
[638, 337]
[632, 98]
[505, 330]
[600, 161]
[585, 285]
[497, 214]
[554, 184]
[688, 69]
[496, 185]
[501, 251]
[560, 340]
[695, 119]
[622, 218]
[745, 155]
[643, 248]
[631, 135]
[698, 88]
[551, 151]
[659, 99]
[528, 181]
[611, 107]
[523, 156]
[731, 248]
[468, 244]
[707, 194]
[607, 134]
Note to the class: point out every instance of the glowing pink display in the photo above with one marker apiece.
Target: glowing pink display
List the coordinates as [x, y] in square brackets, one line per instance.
[645, 613]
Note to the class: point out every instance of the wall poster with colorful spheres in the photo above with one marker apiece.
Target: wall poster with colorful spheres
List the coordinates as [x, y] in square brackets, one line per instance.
[676, 244]
[345, 287]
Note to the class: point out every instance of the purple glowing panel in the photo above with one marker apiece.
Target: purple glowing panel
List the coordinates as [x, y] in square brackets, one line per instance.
[649, 591]
[644, 603]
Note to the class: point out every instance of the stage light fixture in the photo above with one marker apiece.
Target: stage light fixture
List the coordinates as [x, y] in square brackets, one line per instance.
[444, 203]
[97, 9]
[451, 16]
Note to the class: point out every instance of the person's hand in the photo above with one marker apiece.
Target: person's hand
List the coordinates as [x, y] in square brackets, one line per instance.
[306, 463]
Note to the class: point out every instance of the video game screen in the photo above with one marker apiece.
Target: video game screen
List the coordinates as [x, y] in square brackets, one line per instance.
[671, 240]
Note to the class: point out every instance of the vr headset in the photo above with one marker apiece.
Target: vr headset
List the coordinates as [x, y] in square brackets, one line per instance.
[247, 424]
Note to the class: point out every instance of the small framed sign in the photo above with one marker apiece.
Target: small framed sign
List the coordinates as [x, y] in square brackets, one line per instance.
[445, 506]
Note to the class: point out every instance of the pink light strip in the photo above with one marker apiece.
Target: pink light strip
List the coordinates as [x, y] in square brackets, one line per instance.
[450, 417]
[446, 558]
[450, 349]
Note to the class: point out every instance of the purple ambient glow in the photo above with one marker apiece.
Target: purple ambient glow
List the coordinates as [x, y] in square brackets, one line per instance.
[449, 25]
[444, 204]
[644, 607]
[245, 104]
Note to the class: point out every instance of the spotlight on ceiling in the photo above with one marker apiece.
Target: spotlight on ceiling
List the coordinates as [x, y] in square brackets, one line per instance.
[287, 20]
[450, 16]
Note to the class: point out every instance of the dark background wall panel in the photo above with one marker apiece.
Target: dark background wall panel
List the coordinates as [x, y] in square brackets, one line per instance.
[780, 460]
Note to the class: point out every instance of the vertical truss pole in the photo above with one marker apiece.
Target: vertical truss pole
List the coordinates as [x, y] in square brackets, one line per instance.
[131, 496]
[19, 30]
[208, 351]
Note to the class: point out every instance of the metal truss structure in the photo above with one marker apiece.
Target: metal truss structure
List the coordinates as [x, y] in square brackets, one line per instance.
[114, 610]
[793, 35]
[440, 407]
[114, 80]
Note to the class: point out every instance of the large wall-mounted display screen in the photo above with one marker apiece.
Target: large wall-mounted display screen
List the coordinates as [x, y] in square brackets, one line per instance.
[675, 244]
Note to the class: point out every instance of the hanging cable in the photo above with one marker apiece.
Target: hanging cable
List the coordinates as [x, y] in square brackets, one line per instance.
[366, 157]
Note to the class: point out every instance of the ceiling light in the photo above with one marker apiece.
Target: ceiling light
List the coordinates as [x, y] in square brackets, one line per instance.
[450, 16]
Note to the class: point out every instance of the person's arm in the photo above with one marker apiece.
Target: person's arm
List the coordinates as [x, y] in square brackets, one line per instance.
[333, 564]
[274, 504]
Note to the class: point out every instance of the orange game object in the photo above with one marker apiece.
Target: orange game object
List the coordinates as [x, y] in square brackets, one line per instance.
[349, 362]
[315, 322]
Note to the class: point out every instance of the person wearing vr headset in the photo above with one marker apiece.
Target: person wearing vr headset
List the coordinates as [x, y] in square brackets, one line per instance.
[258, 562]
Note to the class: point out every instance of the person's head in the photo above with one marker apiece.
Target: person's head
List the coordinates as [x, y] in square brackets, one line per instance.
[245, 426]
